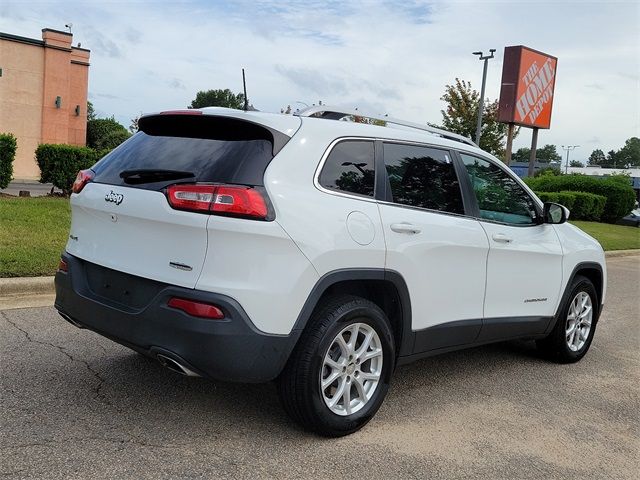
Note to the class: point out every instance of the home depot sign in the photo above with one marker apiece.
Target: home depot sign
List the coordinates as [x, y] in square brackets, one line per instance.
[528, 80]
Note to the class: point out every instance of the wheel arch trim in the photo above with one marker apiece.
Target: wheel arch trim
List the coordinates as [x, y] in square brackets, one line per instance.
[405, 344]
[565, 294]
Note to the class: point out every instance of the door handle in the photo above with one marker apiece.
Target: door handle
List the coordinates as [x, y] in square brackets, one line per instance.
[501, 238]
[405, 228]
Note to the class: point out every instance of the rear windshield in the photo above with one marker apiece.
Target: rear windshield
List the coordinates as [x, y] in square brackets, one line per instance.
[212, 149]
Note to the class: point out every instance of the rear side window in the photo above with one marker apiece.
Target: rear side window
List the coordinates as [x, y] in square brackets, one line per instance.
[423, 177]
[349, 168]
[213, 149]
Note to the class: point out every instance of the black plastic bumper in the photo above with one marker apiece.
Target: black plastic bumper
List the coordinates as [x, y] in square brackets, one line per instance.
[133, 311]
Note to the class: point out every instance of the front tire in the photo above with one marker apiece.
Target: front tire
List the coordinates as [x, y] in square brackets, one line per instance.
[339, 372]
[576, 324]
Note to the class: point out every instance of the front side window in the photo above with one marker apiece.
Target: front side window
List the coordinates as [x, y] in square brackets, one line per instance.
[500, 198]
[423, 177]
[349, 168]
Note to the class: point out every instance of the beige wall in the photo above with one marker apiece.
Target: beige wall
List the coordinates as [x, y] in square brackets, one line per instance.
[34, 73]
[21, 88]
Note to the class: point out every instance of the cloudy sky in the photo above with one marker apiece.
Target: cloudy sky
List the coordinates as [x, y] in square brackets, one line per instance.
[381, 56]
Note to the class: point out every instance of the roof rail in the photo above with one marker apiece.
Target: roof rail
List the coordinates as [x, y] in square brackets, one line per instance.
[336, 113]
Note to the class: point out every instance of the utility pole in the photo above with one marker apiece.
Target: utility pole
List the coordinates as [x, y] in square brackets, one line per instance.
[568, 148]
[484, 82]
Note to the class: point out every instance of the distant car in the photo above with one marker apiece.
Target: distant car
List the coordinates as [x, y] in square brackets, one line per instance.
[631, 220]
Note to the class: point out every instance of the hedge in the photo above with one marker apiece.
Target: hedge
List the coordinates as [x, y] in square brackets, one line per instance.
[59, 164]
[620, 197]
[8, 146]
[583, 205]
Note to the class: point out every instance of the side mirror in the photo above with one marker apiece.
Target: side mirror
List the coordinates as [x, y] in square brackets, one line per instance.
[555, 213]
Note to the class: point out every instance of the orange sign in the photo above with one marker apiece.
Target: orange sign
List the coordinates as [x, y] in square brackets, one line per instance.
[528, 81]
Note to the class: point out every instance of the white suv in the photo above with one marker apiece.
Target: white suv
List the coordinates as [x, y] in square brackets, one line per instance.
[322, 253]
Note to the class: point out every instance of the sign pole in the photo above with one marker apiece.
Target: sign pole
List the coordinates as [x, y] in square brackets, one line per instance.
[532, 156]
[507, 153]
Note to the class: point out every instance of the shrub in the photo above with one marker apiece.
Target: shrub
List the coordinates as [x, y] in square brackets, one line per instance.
[583, 205]
[563, 198]
[620, 196]
[547, 171]
[8, 146]
[100, 128]
[59, 164]
[588, 206]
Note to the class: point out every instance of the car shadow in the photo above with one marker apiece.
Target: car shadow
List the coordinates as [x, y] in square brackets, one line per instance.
[139, 387]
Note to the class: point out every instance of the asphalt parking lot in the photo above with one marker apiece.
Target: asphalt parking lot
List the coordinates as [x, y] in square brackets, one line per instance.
[75, 405]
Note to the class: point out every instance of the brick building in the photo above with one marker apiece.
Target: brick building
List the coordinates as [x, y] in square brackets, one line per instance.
[43, 94]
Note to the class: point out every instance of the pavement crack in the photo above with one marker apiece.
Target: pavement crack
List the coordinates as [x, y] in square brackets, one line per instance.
[99, 395]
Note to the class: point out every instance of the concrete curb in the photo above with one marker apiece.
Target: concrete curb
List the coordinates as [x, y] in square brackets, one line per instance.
[26, 286]
[622, 253]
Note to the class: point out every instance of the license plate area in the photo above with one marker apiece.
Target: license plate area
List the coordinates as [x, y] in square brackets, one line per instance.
[121, 288]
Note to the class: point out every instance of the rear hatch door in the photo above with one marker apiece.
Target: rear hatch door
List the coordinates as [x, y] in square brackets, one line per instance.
[122, 219]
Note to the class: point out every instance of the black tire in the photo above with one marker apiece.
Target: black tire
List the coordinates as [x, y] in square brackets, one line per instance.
[299, 384]
[555, 346]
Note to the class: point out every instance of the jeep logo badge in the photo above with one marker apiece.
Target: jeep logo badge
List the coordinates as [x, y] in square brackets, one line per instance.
[114, 197]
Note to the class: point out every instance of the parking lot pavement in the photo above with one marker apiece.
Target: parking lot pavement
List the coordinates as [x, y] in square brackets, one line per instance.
[75, 405]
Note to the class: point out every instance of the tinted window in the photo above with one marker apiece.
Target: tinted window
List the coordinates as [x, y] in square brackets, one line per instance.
[213, 149]
[423, 177]
[500, 197]
[349, 168]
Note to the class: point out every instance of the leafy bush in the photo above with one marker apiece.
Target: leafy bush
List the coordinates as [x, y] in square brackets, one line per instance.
[100, 128]
[8, 146]
[583, 205]
[547, 171]
[620, 196]
[563, 198]
[59, 164]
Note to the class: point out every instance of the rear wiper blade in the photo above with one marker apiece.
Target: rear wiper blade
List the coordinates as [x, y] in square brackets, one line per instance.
[153, 175]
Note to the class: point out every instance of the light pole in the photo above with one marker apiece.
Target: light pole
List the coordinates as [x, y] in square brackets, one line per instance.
[486, 58]
[568, 148]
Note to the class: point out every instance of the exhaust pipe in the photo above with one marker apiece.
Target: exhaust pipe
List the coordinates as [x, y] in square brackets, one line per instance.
[175, 366]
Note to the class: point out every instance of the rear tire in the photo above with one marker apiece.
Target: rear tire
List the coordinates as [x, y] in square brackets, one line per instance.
[339, 372]
[575, 326]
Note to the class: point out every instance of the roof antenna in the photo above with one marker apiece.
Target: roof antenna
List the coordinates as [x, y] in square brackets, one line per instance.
[244, 85]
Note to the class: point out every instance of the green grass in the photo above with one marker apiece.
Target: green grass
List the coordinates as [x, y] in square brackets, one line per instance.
[612, 237]
[33, 233]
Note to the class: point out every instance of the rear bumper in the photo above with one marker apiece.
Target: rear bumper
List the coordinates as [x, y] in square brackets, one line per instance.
[231, 349]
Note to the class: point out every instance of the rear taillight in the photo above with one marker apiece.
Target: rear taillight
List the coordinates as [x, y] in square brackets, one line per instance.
[196, 309]
[62, 266]
[83, 177]
[231, 200]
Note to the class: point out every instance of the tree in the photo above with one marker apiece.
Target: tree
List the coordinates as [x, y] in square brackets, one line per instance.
[461, 116]
[576, 163]
[521, 155]
[218, 98]
[629, 155]
[133, 128]
[91, 114]
[547, 154]
[613, 159]
[100, 128]
[597, 158]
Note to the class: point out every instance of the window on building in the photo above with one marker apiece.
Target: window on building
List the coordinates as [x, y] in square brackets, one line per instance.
[500, 198]
[423, 177]
[350, 168]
